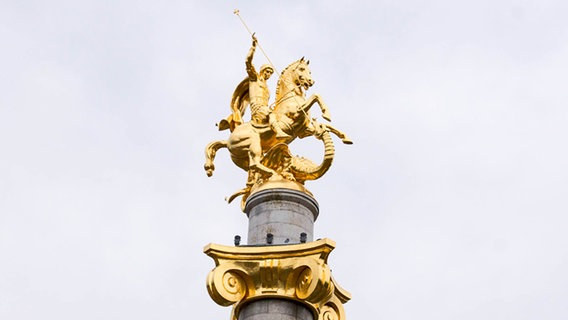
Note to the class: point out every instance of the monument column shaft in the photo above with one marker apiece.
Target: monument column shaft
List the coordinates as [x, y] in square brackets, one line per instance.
[270, 309]
[285, 214]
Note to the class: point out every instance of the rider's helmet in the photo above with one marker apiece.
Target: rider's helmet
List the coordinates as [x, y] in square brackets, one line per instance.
[266, 66]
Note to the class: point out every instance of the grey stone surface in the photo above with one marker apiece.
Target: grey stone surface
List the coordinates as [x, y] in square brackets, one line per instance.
[275, 309]
[283, 212]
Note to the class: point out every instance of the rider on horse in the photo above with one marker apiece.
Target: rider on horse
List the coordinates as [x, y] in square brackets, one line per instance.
[255, 90]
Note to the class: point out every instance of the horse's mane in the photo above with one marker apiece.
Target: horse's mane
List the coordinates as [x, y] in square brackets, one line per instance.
[284, 76]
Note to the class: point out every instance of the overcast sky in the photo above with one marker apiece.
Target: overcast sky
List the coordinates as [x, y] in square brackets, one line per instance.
[451, 204]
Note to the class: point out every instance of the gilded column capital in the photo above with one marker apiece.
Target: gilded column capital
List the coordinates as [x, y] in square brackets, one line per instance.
[296, 272]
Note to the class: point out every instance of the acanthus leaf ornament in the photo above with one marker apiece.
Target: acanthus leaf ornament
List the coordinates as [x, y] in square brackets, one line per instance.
[296, 272]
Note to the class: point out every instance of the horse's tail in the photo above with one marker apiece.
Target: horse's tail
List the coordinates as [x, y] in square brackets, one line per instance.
[210, 152]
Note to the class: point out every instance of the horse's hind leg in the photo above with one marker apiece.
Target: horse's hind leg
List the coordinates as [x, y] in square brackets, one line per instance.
[255, 158]
[210, 152]
[339, 133]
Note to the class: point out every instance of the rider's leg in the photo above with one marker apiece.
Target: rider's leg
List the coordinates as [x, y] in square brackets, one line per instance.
[275, 127]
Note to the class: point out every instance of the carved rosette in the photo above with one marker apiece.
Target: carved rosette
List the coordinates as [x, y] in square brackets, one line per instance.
[297, 272]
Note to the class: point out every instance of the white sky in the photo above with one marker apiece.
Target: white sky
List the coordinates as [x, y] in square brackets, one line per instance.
[451, 204]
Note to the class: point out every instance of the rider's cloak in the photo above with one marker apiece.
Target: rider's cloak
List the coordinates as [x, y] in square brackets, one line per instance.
[239, 103]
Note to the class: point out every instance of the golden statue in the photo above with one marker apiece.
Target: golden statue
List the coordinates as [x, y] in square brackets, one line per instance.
[260, 146]
[253, 90]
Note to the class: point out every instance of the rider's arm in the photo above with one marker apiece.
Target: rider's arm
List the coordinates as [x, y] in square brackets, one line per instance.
[250, 67]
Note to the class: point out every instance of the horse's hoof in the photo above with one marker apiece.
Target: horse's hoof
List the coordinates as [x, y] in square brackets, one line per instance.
[288, 176]
[209, 169]
[282, 135]
[347, 141]
[275, 177]
[223, 125]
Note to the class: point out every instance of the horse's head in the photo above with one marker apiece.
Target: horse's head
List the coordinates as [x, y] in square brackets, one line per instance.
[302, 76]
[296, 78]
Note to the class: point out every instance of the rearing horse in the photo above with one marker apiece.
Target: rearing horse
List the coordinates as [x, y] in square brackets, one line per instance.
[248, 143]
[292, 107]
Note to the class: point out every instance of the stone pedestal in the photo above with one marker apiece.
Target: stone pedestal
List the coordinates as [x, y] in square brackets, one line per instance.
[284, 213]
[281, 273]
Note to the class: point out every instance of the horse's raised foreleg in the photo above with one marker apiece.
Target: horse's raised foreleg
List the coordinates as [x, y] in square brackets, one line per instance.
[210, 152]
[317, 98]
[339, 134]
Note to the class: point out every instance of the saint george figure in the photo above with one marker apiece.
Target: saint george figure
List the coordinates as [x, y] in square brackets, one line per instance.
[254, 91]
